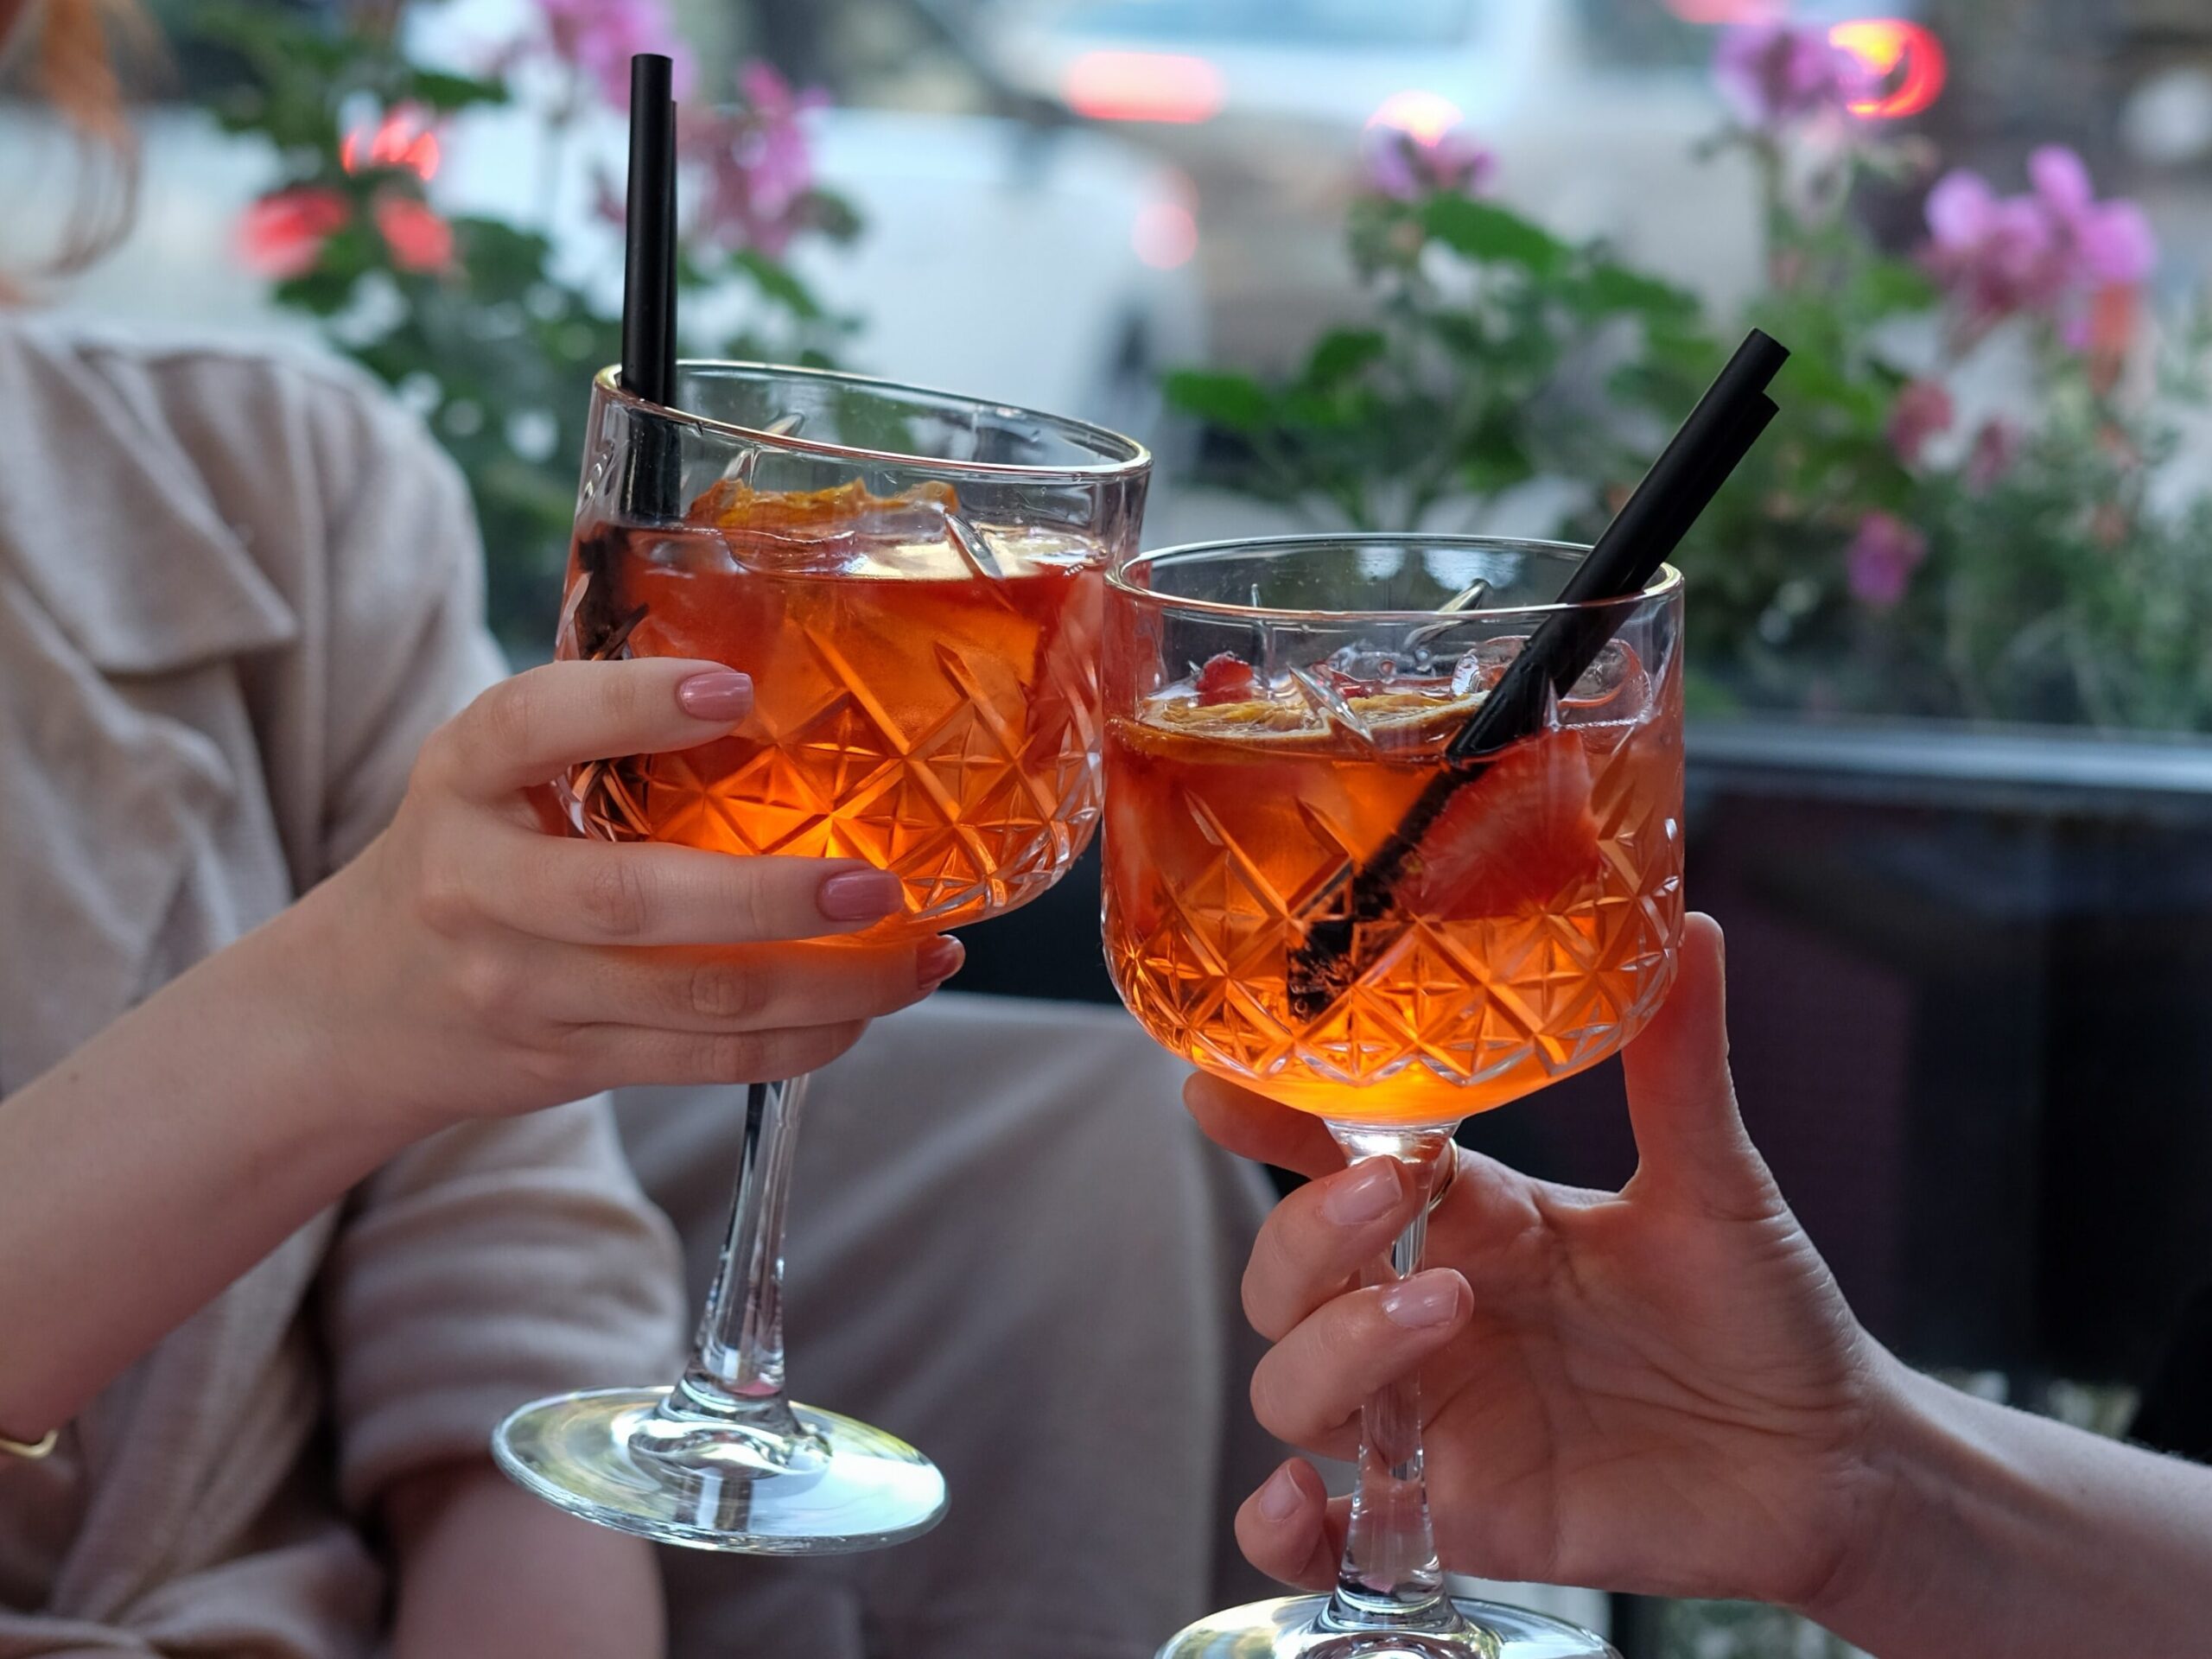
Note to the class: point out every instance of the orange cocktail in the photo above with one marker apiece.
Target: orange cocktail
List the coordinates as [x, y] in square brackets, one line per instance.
[913, 707]
[914, 581]
[1528, 934]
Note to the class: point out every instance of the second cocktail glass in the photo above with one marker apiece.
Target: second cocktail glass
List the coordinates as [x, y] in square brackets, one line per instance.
[1308, 894]
[915, 583]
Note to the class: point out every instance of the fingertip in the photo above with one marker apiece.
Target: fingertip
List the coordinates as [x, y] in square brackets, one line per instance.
[1433, 1303]
[1283, 1526]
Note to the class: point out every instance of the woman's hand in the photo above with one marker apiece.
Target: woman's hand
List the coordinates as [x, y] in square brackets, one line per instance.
[1659, 1390]
[470, 964]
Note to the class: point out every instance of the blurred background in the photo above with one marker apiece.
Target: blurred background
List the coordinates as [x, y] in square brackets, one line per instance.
[1463, 264]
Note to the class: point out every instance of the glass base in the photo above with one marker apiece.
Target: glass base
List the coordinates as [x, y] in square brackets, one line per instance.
[1291, 1628]
[613, 1456]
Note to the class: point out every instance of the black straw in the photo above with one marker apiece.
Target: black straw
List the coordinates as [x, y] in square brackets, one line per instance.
[654, 487]
[649, 230]
[1720, 432]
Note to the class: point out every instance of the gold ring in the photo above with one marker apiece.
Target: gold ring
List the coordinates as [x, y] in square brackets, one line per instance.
[33, 1450]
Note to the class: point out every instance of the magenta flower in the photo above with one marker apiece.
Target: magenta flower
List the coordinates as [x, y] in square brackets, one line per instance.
[758, 164]
[599, 37]
[1924, 411]
[1400, 165]
[2050, 253]
[1882, 559]
[1773, 73]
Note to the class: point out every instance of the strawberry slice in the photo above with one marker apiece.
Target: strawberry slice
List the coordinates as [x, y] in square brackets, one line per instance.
[1514, 840]
[1227, 678]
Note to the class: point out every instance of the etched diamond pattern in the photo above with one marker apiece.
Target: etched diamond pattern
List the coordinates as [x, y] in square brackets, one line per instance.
[978, 800]
[1456, 1016]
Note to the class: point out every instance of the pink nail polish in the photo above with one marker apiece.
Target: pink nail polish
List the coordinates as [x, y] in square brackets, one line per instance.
[724, 695]
[1280, 1497]
[1423, 1301]
[1363, 1195]
[938, 961]
[860, 896]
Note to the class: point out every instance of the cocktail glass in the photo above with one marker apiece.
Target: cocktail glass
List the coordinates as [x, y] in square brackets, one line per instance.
[915, 583]
[1277, 713]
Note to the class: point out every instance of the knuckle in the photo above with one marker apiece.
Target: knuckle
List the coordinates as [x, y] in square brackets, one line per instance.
[726, 991]
[734, 1056]
[613, 896]
[444, 900]
[749, 906]
[486, 984]
[1254, 1299]
[507, 716]
[1272, 1408]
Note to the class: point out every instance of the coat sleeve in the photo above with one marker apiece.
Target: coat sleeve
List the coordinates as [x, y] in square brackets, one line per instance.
[407, 647]
[504, 1259]
[486, 1267]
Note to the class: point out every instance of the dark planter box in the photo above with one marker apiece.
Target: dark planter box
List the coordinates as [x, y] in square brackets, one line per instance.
[1971, 983]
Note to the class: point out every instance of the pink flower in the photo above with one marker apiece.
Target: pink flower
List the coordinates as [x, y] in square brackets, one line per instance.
[758, 162]
[2050, 253]
[1772, 74]
[1400, 165]
[599, 37]
[418, 237]
[1996, 446]
[2109, 243]
[281, 235]
[1882, 559]
[1923, 411]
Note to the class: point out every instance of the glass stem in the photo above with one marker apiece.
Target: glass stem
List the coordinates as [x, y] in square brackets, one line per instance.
[735, 1378]
[1390, 1577]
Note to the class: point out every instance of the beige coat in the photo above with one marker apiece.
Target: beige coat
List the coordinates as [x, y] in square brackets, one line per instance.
[234, 597]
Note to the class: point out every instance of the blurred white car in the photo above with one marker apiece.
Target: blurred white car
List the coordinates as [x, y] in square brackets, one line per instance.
[1594, 109]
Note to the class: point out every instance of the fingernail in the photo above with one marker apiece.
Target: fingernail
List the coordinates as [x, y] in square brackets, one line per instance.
[940, 960]
[1369, 1192]
[722, 695]
[1280, 1497]
[1427, 1300]
[861, 896]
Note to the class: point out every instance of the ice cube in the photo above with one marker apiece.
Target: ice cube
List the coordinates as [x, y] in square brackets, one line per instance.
[1357, 668]
[1481, 669]
[1615, 683]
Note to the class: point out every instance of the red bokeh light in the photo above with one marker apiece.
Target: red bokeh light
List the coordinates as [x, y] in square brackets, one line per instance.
[1905, 58]
[401, 140]
[1725, 11]
[1144, 87]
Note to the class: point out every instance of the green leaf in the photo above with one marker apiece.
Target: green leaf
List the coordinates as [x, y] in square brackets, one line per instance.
[1488, 233]
[1340, 354]
[1886, 287]
[448, 93]
[777, 282]
[1235, 401]
[1615, 289]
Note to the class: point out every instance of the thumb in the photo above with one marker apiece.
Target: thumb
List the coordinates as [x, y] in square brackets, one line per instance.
[1690, 1141]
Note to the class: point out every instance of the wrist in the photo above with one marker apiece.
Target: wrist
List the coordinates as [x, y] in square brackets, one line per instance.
[1903, 1577]
[299, 973]
[1890, 1442]
[338, 992]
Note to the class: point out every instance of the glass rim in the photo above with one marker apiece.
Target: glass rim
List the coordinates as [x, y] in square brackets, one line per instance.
[1666, 584]
[1137, 459]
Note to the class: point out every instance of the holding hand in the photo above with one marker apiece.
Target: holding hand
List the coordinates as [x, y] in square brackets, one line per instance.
[472, 964]
[1659, 1390]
